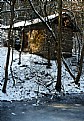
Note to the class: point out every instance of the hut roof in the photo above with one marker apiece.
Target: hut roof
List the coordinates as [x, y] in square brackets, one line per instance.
[37, 23]
[29, 22]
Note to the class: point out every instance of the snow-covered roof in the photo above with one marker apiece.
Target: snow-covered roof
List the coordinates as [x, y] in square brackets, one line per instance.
[29, 22]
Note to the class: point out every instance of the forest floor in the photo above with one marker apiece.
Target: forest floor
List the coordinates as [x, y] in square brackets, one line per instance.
[34, 81]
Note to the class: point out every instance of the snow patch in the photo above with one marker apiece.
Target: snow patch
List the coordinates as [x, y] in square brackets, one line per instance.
[33, 80]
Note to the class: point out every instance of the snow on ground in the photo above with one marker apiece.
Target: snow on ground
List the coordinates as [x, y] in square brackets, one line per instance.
[33, 78]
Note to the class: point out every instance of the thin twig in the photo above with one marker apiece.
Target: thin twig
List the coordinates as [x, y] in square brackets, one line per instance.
[68, 68]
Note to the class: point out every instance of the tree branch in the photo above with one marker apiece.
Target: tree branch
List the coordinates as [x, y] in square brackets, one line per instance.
[68, 68]
[42, 19]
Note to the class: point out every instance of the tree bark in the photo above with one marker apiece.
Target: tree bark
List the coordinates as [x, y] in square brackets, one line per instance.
[58, 84]
[12, 3]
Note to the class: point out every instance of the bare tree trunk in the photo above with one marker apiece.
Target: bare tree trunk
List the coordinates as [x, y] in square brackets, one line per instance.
[49, 64]
[58, 84]
[80, 66]
[12, 3]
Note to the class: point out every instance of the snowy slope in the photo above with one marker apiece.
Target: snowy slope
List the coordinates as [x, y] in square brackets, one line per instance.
[33, 78]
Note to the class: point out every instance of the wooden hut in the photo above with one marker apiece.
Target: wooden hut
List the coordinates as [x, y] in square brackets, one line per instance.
[41, 42]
